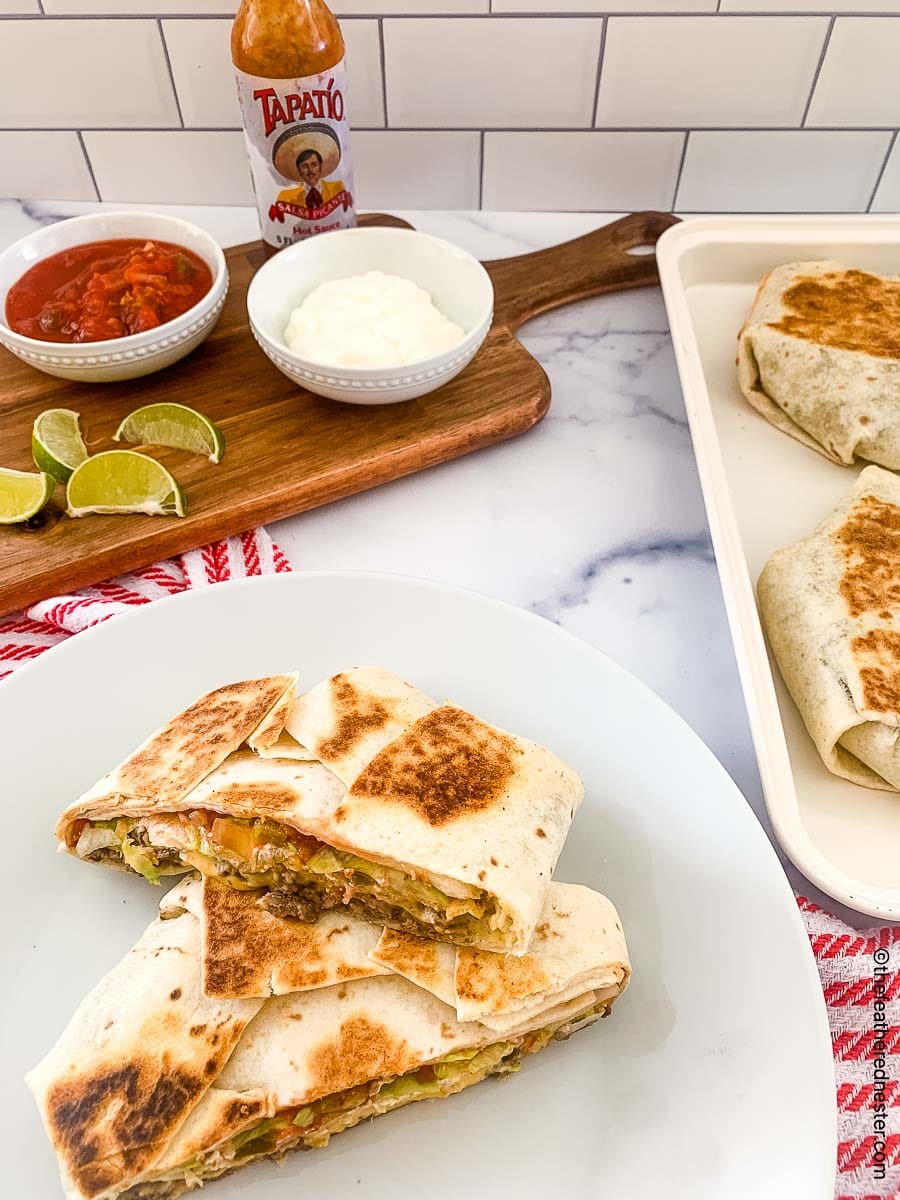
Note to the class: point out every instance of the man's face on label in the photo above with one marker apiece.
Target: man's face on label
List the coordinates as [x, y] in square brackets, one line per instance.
[310, 169]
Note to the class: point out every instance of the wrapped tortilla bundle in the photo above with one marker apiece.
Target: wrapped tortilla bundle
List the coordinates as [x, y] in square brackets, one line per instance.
[245, 951]
[830, 606]
[154, 1089]
[819, 357]
[578, 944]
[414, 815]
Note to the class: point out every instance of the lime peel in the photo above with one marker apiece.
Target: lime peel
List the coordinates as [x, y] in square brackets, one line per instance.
[175, 425]
[23, 494]
[124, 481]
[57, 446]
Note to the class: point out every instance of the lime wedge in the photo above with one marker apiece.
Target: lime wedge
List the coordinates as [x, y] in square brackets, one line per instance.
[22, 494]
[172, 425]
[123, 481]
[57, 446]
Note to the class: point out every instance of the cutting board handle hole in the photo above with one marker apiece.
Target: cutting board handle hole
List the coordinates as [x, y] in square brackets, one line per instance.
[642, 248]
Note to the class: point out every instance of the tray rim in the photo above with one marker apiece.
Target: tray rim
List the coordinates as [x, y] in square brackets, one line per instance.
[754, 670]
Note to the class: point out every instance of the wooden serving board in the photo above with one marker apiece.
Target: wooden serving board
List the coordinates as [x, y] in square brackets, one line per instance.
[288, 450]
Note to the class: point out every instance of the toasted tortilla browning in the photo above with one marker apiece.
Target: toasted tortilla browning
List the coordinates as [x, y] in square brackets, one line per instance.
[445, 766]
[199, 739]
[850, 310]
[831, 609]
[155, 1088]
[819, 358]
[311, 1126]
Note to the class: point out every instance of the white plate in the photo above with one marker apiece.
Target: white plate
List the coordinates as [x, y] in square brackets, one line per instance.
[764, 490]
[712, 1080]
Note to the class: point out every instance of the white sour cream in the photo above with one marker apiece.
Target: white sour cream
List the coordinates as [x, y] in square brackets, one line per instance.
[371, 320]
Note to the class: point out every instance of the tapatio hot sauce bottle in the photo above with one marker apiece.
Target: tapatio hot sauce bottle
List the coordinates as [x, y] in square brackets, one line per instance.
[292, 85]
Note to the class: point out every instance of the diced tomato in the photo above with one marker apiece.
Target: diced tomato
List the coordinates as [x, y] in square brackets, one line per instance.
[305, 844]
[75, 830]
[105, 290]
[241, 839]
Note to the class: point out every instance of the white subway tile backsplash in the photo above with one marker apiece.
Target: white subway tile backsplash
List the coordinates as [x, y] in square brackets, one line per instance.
[795, 170]
[790, 105]
[100, 73]
[45, 164]
[226, 8]
[181, 166]
[365, 94]
[483, 73]
[859, 83]
[415, 169]
[887, 197]
[200, 54]
[576, 171]
[712, 71]
[811, 6]
[413, 8]
[604, 6]
[134, 8]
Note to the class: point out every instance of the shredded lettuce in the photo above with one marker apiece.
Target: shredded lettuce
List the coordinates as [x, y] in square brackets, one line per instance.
[324, 862]
[408, 1085]
[258, 1131]
[459, 1056]
[329, 861]
[139, 860]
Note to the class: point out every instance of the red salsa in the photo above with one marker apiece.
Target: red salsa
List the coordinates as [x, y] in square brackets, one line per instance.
[106, 290]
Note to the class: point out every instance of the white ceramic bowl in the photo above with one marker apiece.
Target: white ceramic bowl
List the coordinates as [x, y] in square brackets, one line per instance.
[126, 357]
[458, 283]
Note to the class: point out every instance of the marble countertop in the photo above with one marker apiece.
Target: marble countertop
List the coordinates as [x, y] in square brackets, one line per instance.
[594, 519]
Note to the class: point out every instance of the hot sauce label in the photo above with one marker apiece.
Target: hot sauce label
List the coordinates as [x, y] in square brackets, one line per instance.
[298, 141]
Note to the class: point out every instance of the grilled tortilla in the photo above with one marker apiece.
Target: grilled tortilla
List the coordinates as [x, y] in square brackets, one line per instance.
[246, 951]
[416, 816]
[139, 1054]
[578, 944]
[831, 609]
[153, 1090]
[819, 357]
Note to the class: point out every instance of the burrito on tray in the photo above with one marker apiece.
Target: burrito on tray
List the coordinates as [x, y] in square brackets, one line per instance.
[409, 814]
[155, 1088]
[819, 357]
[830, 606]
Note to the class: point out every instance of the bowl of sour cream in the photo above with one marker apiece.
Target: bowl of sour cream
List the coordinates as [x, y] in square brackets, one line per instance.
[371, 315]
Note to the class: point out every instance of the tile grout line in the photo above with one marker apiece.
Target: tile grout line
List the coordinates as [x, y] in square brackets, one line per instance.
[599, 14]
[381, 59]
[481, 173]
[524, 130]
[817, 72]
[599, 72]
[680, 170]
[887, 158]
[90, 165]
[165, 48]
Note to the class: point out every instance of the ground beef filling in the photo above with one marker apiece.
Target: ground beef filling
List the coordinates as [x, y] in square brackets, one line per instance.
[295, 890]
[342, 1110]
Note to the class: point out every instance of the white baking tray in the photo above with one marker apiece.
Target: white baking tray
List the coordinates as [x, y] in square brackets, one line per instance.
[764, 490]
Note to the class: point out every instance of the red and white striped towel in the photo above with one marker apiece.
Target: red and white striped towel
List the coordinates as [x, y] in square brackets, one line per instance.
[860, 971]
[42, 625]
